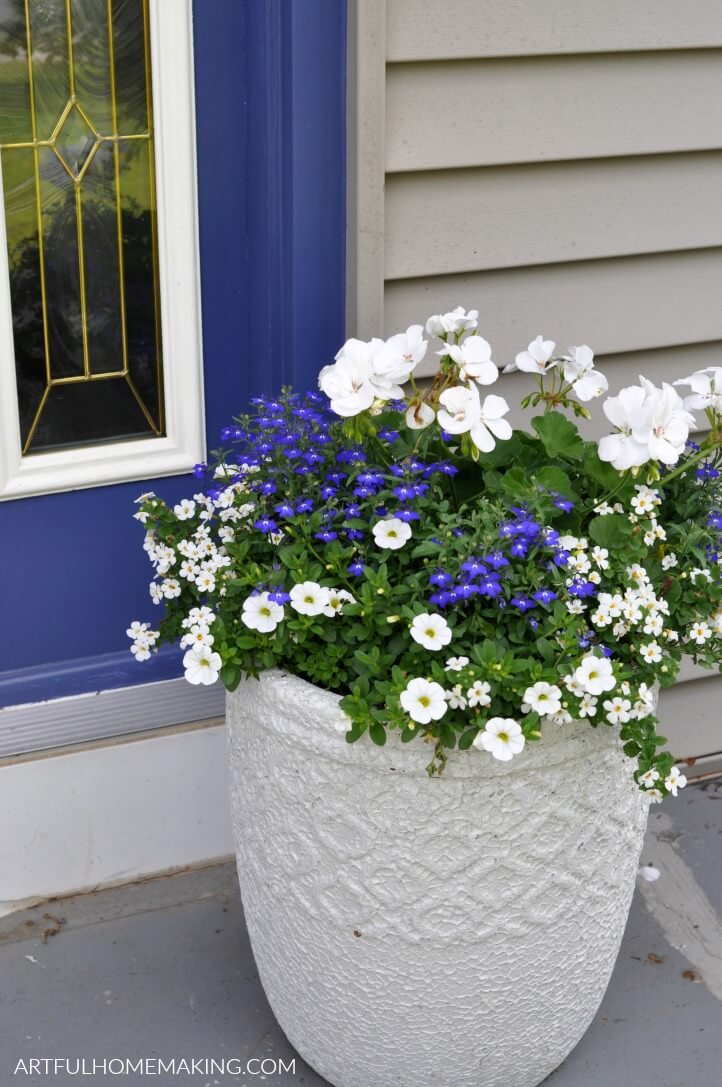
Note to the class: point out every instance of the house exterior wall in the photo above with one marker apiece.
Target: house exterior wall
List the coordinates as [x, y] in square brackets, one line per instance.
[558, 167]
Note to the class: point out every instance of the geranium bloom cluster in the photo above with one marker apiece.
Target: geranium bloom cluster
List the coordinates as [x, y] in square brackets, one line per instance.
[392, 540]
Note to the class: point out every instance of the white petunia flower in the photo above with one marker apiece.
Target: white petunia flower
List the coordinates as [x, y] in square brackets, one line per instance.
[185, 509]
[651, 652]
[309, 598]
[424, 701]
[579, 370]
[419, 415]
[455, 698]
[537, 359]
[618, 710]
[391, 534]
[595, 675]
[201, 665]
[675, 780]
[543, 698]
[456, 664]
[458, 320]
[431, 631]
[502, 737]
[336, 600]
[479, 694]
[473, 357]
[261, 613]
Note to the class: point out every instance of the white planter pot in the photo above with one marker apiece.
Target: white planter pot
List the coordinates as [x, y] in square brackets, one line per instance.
[412, 932]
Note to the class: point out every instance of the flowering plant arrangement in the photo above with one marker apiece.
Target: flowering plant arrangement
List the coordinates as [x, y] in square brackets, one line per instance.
[454, 580]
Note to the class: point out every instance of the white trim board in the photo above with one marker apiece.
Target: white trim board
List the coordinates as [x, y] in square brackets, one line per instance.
[112, 814]
[171, 35]
[101, 715]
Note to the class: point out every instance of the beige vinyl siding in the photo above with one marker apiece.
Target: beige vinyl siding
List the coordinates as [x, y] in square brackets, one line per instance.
[557, 166]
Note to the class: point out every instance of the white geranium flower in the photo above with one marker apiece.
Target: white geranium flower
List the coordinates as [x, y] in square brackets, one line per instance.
[309, 598]
[675, 780]
[419, 415]
[431, 631]
[336, 600]
[628, 447]
[502, 737]
[463, 412]
[185, 509]
[455, 698]
[456, 664]
[458, 320]
[473, 357]
[579, 370]
[391, 534]
[479, 694]
[594, 675]
[706, 386]
[537, 359]
[201, 665]
[347, 382]
[396, 360]
[261, 613]
[667, 421]
[543, 698]
[424, 701]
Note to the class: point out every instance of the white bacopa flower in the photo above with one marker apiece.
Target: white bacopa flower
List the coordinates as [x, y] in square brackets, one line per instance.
[458, 320]
[502, 737]
[563, 717]
[473, 357]
[699, 632]
[655, 795]
[419, 415]
[456, 664]
[600, 556]
[675, 780]
[587, 706]
[201, 665]
[391, 533]
[543, 698]
[347, 382]
[706, 386]
[575, 606]
[651, 652]
[309, 598]
[205, 581]
[644, 704]
[455, 698]
[463, 412]
[537, 359]
[185, 509]
[197, 635]
[336, 600]
[479, 694]
[649, 778]
[136, 629]
[261, 613]
[156, 592]
[424, 701]
[170, 588]
[188, 569]
[431, 631]
[579, 370]
[594, 675]
[618, 710]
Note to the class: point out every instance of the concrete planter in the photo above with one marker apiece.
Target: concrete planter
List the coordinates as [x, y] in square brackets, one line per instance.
[453, 932]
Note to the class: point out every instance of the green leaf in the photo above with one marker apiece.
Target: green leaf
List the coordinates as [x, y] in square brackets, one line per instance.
[611, 531]
[467, 738]
[559, 436]
[553, 479]
[230, 676]
[600, 471]
[377, 733]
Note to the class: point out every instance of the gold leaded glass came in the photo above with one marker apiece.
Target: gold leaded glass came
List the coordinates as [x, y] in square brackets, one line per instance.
[76, 145]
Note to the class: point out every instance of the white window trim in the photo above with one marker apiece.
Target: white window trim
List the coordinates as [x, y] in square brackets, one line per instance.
[171, 34]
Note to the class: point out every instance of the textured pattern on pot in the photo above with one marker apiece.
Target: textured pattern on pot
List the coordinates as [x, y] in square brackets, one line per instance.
[458, 931]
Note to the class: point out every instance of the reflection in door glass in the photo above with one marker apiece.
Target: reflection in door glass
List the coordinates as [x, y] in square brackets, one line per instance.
[76, 144]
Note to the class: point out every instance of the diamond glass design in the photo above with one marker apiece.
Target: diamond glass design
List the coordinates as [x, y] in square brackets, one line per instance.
[75, 141]
[77, 156]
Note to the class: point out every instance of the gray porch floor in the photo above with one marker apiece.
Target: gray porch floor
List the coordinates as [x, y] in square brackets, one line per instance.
[164, 968]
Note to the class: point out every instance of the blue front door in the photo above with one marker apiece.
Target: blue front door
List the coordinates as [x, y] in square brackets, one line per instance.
[270, 143]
